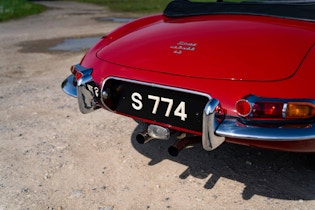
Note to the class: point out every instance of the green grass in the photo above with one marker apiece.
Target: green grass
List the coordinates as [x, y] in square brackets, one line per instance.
[12, 9]
[142, 6]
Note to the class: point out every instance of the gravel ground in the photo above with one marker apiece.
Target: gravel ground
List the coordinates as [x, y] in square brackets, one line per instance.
[53, 157]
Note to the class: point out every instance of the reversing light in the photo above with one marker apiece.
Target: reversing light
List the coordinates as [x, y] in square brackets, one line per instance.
[300, 110]
[243, 107]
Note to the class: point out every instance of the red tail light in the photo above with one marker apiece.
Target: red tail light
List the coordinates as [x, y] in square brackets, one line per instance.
[243, 107]
[271, 108]
[268, 109]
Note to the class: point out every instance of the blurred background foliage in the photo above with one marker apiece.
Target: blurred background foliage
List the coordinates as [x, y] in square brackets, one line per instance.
[11, 9]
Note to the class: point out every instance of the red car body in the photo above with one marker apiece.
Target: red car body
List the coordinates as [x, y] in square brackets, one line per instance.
[235, 72]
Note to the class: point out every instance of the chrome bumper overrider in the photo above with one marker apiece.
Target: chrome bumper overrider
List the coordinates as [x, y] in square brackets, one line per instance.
[210, 140]
[214, 130]
[85, 89]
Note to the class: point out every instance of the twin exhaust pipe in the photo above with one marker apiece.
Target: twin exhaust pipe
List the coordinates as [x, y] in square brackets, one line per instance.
[159, 132]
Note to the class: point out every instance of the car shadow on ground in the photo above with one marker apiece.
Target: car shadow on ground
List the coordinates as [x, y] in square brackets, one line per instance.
[272, 174]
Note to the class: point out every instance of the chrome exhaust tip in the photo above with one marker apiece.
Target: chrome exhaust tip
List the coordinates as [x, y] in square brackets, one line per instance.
[143, 137]
[181, 144]
[153, 132]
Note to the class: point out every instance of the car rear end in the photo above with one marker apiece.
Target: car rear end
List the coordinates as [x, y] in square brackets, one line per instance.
[241, 78]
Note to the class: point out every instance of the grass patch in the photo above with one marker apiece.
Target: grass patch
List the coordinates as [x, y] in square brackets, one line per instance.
[143, 6]
[137, 6]
[12, 9]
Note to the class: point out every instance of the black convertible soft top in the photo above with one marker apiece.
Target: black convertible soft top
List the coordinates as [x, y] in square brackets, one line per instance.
[301, 10]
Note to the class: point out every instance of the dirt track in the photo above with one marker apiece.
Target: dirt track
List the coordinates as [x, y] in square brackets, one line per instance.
[54, 157]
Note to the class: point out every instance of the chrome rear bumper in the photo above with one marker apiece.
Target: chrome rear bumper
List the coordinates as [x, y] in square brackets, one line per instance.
[68, 86]
[231, 129]
[214, 130]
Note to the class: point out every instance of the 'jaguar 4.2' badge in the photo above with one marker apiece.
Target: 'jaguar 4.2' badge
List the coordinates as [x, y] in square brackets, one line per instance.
[182, 46]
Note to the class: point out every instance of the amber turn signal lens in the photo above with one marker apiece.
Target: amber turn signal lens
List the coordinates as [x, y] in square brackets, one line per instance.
[300, 110]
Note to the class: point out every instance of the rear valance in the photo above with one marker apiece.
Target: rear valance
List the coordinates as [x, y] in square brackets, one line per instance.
[293, 10]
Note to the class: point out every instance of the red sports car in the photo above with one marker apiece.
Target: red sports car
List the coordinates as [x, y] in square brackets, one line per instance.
[209, 72]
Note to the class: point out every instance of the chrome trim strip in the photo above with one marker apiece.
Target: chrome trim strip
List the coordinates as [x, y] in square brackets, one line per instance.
[284, 110]
[231, 128]
[210, 140]
[68, 87]
[157, 86]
